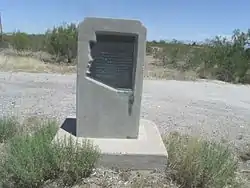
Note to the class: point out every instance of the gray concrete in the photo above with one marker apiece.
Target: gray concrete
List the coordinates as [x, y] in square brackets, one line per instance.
[102, 111]
[108, 110]
[147, 152]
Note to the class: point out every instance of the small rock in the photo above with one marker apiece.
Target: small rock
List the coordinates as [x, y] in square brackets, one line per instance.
[245, 156]
[239, 137]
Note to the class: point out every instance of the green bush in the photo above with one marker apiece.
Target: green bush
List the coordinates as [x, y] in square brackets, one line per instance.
[228, 58]
[198, 163]
[8, 128]
[62, 41]
[20, 41]
[219, 57]
[31, 160]
[76, 161]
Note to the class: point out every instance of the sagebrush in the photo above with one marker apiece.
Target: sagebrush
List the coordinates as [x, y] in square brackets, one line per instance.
[196, 163]
[31, 159]
[8, 128]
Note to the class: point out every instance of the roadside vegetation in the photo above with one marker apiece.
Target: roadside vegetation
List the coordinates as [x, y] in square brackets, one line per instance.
[217, 58]
[29, 158]
[195, 162]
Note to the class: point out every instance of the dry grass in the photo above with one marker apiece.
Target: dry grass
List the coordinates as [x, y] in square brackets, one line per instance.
[156, 72]
[31, 64]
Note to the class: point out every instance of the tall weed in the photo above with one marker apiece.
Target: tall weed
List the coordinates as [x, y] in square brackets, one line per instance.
[200, 164]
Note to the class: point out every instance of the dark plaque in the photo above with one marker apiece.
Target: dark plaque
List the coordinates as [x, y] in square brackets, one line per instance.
[113, 60]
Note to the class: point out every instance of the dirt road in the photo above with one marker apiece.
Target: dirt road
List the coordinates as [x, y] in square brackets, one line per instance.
[208, 108]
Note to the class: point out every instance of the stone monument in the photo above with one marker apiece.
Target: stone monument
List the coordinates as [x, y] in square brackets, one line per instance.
[109, 90]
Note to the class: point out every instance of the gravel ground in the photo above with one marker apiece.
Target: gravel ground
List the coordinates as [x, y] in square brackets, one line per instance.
[123, 179]
[209, 108]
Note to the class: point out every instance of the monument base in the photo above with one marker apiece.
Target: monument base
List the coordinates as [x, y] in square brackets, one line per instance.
[147, 152]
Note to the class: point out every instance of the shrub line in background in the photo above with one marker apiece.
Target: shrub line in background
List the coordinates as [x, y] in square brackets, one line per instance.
[217, 58]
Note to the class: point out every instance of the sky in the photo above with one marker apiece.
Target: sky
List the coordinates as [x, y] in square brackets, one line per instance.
[186, 20]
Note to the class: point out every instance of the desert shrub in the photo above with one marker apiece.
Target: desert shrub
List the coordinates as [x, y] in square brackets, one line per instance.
[76, 161]
[8, 128]
[37, 42]
[31, 160]
[199, 163]
[20, 41]
[62, 41]
[174, 52]
[228, 58]
[222, 58]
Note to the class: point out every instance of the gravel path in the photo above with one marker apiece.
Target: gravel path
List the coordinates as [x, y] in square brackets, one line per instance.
[209, 108]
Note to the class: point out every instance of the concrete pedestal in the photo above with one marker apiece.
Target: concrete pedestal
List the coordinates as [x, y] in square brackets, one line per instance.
[147, 152]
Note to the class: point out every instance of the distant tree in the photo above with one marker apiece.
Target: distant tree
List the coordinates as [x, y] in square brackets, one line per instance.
[20, 41]
[174, 41]
[162, 42]
[154, 42]
[62, 41]
[37, 42]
